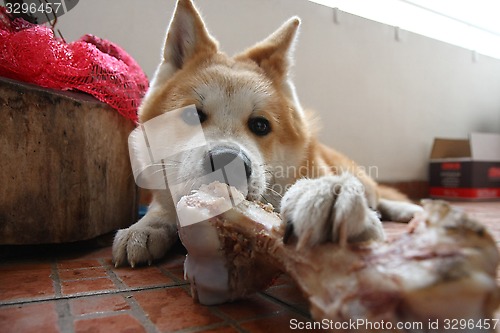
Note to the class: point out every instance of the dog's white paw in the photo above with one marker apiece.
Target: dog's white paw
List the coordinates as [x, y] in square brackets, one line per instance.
[142, 243]
[330, 208]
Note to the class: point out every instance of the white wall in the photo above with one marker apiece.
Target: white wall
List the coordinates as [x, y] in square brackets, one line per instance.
[381, 101]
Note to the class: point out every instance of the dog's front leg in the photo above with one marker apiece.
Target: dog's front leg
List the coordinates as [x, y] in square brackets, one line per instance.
[150, 237]
[330, 208]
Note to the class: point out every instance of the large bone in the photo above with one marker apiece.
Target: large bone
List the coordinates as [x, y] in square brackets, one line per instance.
[443, 267]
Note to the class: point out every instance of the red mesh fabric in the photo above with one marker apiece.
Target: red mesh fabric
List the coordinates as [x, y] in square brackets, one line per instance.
[31, 53]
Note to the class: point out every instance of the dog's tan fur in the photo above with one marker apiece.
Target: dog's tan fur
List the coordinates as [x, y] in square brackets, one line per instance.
[261, 74]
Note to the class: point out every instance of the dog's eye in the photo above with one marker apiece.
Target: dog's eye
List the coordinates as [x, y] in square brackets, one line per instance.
[259, 125]
[193, 117]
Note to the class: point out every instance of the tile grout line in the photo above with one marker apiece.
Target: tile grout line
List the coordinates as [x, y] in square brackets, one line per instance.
[79, 268]
[167, 272]
[195, 329]
[227, 319]
[87, 294]
[237, 323]
[64, 316]
[135, 307]
[285, 305]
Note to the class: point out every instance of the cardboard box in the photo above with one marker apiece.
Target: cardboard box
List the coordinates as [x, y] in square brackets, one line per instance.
[466, 169]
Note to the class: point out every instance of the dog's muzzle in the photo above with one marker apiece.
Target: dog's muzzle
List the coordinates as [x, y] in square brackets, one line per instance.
[233, 162]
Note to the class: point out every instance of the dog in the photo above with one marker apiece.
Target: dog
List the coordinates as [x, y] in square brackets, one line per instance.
[249, 111]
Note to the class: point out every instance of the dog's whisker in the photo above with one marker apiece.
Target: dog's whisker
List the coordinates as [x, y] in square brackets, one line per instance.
[262, 196]
[200, 96]
[173, 177]
[163, 164]
[167, 161]
[270, 189]
[167, 171]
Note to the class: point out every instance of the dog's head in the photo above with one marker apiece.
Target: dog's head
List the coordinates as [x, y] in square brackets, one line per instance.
[246, 104]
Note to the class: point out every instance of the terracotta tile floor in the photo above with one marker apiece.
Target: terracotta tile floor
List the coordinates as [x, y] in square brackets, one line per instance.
[68, 288]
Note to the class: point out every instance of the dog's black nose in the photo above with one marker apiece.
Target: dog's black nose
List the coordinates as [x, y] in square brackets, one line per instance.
[234, 163]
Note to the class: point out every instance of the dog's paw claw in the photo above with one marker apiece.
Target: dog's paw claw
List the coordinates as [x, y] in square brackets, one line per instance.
[141, 245]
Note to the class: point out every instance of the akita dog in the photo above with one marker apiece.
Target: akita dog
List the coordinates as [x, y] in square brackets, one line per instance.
[249, 111]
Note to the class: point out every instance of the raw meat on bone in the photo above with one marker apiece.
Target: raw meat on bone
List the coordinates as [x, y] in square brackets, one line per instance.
[443, 267]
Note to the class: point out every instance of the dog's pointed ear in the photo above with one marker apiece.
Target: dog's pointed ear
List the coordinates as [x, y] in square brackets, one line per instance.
[186, 36]
[274, 54]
